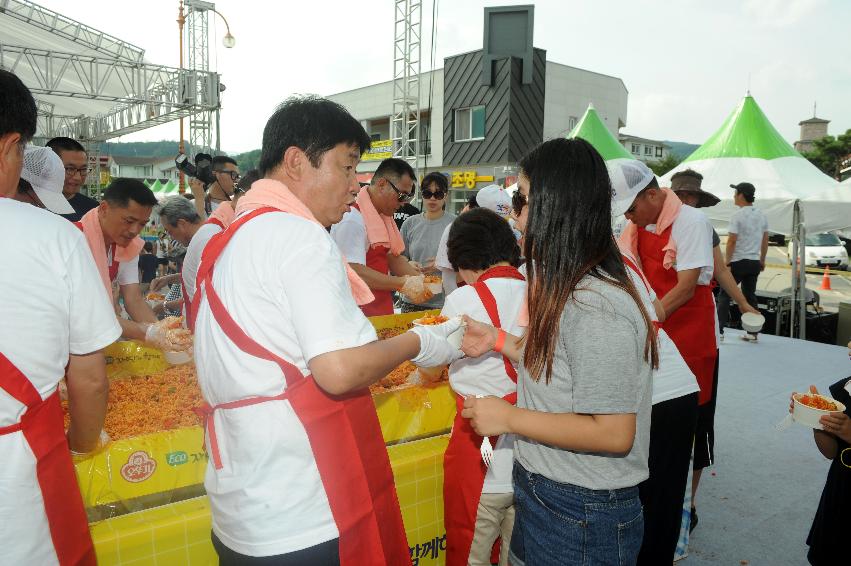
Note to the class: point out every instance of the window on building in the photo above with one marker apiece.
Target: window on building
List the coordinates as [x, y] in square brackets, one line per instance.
[571, 122]
[636, 148]
[659, 151]
[470, 123]
[648, 150]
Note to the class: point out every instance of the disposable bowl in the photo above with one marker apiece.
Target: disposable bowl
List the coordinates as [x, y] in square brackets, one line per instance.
[809, 416]
[752, 322]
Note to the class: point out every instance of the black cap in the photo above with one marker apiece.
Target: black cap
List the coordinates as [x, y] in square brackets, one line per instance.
[745, 189]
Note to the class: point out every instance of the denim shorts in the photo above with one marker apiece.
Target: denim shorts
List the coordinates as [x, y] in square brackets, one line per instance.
[560, 524]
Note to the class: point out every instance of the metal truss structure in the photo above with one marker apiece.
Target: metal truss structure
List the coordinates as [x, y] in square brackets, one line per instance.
[405, 120]
[138, 95]
[203, 124]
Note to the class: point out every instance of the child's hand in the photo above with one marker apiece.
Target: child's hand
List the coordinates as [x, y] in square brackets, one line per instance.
[837, 424]
[479, 339]
[488, 415]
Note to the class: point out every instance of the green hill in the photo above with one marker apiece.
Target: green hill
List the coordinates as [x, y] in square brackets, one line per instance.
[682, 149]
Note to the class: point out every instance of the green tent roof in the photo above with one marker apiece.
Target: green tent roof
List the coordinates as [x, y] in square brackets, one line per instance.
[592, 129]
[745, 133]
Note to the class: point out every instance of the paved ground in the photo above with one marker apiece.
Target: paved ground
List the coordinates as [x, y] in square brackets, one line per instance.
[758, 501]
[778, 277]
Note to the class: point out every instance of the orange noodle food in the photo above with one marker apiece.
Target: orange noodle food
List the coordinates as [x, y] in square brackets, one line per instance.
[817, 402]
[151, 403]
[399, 378]
[430, 320]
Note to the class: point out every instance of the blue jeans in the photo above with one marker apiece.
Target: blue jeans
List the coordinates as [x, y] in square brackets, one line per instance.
[563, 524]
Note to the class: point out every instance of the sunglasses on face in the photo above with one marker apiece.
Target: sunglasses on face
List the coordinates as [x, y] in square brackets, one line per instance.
[233, 174]
[400, 196]
[427, 194]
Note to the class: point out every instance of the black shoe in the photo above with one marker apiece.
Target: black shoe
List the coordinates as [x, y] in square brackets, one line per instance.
[692, 520]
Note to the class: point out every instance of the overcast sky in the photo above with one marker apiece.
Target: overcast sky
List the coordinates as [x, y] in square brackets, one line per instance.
[685, 63]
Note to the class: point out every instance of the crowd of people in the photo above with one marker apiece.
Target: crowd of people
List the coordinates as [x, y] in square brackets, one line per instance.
[560, 453]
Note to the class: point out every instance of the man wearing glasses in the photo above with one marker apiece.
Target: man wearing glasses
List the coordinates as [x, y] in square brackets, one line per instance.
[226, 172]
[372, 243]
[76, 162]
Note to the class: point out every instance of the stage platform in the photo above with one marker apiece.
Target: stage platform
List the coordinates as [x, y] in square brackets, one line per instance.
[758, 501]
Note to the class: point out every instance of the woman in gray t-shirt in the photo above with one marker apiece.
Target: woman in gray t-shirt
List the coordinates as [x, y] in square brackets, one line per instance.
[584, 388]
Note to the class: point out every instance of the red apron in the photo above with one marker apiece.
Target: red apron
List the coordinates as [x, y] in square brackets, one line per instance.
[44, 431]
[691, 326]
[344, 435]
[376, 258]
[113, 268]
[189, 304]
[463, 469]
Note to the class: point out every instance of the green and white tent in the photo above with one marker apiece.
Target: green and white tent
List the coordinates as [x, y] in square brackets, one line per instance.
[592, 129]
[162, 189]
[748, 148]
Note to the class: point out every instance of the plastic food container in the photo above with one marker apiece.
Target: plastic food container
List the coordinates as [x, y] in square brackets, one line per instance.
[752, 322]
[809, 416]
[434, 284]
[177, 358]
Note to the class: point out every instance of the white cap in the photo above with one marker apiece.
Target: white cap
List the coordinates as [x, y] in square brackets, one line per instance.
[495, 198]
[44, 171]
[629, 177]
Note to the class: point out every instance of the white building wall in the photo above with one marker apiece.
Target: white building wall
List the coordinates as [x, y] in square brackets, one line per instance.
[376, 102]
[568, 92]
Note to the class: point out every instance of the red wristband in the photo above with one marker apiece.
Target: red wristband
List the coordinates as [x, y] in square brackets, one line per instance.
[500, 340]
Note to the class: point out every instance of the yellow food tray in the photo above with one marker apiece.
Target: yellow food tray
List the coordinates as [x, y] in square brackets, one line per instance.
[179, 533]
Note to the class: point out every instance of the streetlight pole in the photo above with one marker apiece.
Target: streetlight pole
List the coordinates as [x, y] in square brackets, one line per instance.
[181, 20]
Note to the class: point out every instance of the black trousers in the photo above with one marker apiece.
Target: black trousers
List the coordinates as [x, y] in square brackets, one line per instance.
[323, 554]
[704, 433]
[671, 435]
[745, 272]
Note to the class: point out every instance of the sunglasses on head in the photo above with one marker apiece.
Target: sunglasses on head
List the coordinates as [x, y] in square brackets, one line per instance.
[438, 194]
[403, 197]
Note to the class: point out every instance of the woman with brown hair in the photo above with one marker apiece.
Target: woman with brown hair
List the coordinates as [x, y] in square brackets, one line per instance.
[582, 417]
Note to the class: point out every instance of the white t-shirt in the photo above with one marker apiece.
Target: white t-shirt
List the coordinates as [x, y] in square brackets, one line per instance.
[673, 378]
[441, 261]
[486, 375]
[53, 305]
[692, 233]
[282, 280]
[350, 235]
[192, 260]
[749, 225]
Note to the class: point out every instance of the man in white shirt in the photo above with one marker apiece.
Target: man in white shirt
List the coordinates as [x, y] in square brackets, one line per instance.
[298, 469]
[367, 233]
[747, 244]
[55, 323]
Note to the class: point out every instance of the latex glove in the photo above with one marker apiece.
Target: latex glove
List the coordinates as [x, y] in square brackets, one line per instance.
[415, 290]
[435, 350]
[169, 335]
[156, 284]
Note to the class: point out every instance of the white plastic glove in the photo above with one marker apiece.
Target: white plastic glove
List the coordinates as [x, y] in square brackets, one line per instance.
[415, 290]
[435, 349]
[168, 335]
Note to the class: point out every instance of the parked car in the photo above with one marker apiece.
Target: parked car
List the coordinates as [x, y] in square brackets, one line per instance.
[824, 249]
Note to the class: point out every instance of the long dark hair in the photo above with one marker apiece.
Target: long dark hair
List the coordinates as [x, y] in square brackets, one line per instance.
[568, 236]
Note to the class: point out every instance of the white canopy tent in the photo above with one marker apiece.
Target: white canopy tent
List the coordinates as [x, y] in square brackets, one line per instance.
[748, 148]
[795, 196]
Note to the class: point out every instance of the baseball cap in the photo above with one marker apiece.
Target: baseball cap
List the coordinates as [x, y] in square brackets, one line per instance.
[43, 170]
[495, 198]
[629, 177]
[746, 189]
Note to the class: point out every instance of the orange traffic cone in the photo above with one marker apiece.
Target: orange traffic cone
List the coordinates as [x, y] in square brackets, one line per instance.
[825, 281]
